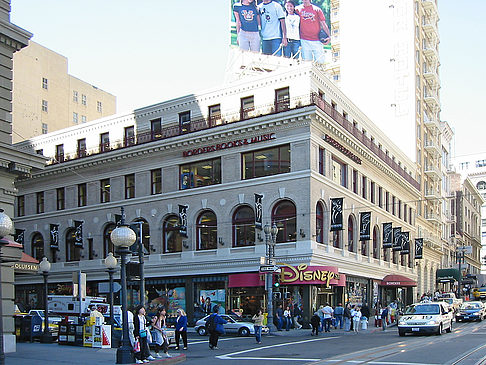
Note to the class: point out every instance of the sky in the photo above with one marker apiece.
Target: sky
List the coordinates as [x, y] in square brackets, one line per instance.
[148, 51]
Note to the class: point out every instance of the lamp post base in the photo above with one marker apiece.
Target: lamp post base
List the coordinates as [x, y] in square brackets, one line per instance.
[124, 355]
[46, 338]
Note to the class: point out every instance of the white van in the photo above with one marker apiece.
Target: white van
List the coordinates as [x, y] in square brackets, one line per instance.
[431, 317]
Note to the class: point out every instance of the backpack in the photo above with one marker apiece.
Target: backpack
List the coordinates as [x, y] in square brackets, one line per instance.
[211, 323]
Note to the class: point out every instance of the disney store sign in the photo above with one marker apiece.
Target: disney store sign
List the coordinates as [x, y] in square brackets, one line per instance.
[303, 274]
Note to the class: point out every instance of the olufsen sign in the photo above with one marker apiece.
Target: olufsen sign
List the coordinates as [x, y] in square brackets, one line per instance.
[230, 144]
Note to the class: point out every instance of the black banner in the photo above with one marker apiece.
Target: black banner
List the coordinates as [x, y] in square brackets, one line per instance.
[118, 219]
[405, 243]
[258, 211]
[336, 214]
[54, 236]
[364, 226]
[397, 239]
[419, 248]
[78, 234]
[183, 220]
[19, 236]
[387, 235]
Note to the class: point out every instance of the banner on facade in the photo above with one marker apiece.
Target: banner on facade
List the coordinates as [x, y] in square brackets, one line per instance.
[336, 214]
[183, 220]
[419, 248]
[364, 226]
[258, 211]
[54, 236]
[19, 236]
[387, 235]
[78, 234]
[397, 239]
[405, 243]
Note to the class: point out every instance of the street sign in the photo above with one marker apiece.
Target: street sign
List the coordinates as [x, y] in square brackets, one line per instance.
[270, 268]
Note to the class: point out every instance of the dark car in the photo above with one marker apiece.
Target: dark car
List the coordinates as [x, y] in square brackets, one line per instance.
[471, 311]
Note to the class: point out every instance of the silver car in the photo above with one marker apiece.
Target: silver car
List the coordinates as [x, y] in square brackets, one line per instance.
[235, 325]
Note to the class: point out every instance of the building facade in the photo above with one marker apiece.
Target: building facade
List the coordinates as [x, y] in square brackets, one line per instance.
[291, 137]
[47, 98]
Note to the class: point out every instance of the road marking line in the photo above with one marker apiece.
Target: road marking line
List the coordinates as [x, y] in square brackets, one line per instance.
[229, 356]
[265, 358]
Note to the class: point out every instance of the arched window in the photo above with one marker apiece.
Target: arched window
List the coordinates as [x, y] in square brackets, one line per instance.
[107, 244]
[73, 253]
[142, 225]
[351, 234]
[207, 231]
[243, 227]
[481, 185]
[38, 246]
[376, 244]
[319, 223]
[171, 237]
[284, 216]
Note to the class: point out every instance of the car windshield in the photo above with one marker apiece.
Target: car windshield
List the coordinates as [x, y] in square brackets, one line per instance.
[470, 306]
[423, 309]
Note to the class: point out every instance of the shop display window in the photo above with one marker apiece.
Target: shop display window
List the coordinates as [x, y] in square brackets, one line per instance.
[201, 173]
[171, 297]
[284, 216]
[267, 162]
[172, 238]
[244, 227]
[207, 231]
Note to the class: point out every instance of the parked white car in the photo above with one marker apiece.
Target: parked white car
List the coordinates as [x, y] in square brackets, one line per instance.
[431, 317]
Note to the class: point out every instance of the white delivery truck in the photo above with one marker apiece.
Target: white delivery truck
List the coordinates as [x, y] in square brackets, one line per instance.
[69, 305]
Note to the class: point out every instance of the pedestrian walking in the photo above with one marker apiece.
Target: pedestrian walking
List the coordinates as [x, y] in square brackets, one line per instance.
[214, 324]
[140, 332]
[297, 315]
[347, 317]
[356, 314]
[159, 336]
[327, 313]
[321, 317]
[279, 317]
[338, 314]
[315, 323]
[287, 318]
[258, 319]
[181, 328]
[384, 317]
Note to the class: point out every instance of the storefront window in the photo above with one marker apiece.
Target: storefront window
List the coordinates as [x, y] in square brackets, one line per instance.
[243, 227]
[356, 292]
[38, 246]
[350, 234]
[270, 161]
[319, 223]
[172, 238]
[168, 296]
[73, 253]
[107, 244]
[207, 231]
[201, 173]
[376, 244]
[284, 216]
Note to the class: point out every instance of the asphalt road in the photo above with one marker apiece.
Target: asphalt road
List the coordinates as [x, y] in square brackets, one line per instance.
[465, 345]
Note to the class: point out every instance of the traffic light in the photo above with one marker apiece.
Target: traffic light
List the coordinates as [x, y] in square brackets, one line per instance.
[276, 281]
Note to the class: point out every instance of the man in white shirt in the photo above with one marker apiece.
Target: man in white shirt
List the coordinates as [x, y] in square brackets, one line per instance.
[327, 313]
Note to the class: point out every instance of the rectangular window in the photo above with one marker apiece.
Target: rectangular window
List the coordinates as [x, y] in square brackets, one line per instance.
[60, 153]
[44, 128]
[322, 161]
[75, 96]
[399, 209]
[380, 197]
[405, 212]
[21, 205]
[83, 118]
[91, 255]
[355, 181]
[82, 195]
[214, 114]
[270, 161]
[372, 192]
[201, 173]
[410, 215]
[185, 122]
[104, 142]
[44, 83]
[105, 190]
[99, 107]
[40, 202]
[364, 187]
[282, 99]
[129, 136]
[44, 106]
[60, 198]
[156, 181]
[394, 210]
[247, 107]
[75, 118]
[387, 201]
[156, 128]
[84, 99]
[339, 173]
[130, 186]
[81, 148]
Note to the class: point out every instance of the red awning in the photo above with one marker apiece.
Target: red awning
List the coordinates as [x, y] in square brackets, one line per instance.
[397, 281]
[29, 259]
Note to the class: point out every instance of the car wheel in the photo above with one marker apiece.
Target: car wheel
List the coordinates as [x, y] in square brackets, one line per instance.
[449, 330]
[244, 332]
[201, 331]
[401, 333]
[439, 331]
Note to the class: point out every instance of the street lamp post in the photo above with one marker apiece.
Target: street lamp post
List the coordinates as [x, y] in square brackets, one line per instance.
[123, 237]
[6, 228]
[270, 235]
[110, 263]
[44, 268]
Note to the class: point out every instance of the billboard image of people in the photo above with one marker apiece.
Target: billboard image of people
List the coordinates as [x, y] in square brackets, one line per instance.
[289, 28]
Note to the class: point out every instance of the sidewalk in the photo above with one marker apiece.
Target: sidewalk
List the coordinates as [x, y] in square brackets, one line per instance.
[49, 354]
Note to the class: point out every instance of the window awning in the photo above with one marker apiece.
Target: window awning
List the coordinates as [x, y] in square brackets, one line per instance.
[397, 281]
[448, 275]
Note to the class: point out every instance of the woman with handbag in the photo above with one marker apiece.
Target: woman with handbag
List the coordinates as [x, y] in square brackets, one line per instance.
[140, 332]
[181, 328]
[159, 337]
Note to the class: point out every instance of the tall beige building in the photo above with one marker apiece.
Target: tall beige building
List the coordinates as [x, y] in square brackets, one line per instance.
[47, 98]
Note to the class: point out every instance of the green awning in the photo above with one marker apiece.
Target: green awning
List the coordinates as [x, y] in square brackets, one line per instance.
[448, 275]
